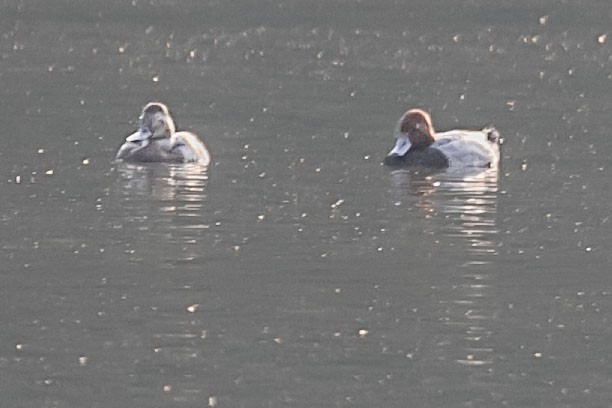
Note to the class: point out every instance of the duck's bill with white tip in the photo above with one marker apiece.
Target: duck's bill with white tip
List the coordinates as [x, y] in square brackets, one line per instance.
[402, 145]
[140, 135]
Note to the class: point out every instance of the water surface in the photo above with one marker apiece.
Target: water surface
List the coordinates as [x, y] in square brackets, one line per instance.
[297, 270]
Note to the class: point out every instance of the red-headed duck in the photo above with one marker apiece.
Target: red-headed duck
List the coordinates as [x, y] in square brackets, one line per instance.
[157, 140]
[418, 145]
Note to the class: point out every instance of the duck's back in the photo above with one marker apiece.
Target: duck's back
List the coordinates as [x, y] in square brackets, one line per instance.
[469, 148]
[191, 148]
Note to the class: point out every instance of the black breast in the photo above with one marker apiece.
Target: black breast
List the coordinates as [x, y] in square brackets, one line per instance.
[428, 157]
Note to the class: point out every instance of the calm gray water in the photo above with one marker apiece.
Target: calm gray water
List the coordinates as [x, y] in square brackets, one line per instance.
[297, 271]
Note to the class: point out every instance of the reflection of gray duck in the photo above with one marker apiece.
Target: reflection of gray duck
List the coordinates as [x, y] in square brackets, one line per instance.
[157, 140]
[418, 145]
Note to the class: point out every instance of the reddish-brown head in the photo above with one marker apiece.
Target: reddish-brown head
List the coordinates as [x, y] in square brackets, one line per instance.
[414, 131]
[416, 125]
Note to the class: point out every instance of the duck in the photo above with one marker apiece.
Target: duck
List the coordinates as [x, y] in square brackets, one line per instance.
[157, 140]
[417, 144]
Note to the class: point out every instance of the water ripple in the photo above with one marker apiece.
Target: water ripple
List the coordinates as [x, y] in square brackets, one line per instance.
[460, 211]
[162, 205]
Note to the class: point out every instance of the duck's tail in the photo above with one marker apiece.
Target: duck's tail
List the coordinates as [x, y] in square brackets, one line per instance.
[492, 134]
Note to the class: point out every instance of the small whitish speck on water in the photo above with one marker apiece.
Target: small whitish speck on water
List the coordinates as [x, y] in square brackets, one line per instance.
[602, 38]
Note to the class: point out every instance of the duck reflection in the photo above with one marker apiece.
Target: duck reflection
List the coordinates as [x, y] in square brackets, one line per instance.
[163, 181]
[467, 201]
[164, 204]
[460, 210]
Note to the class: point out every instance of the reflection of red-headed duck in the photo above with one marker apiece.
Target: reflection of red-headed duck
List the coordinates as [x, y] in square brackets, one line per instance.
[157, 140]
[418, 145]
